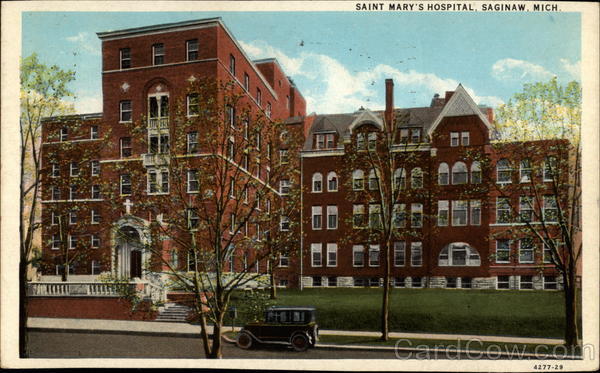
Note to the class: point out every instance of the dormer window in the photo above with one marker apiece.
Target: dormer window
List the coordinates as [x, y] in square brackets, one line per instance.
[415, 135]
[454, 138]
[404, 135]
[319, 141]
[329, 140]
[158, 54]
[372, 141]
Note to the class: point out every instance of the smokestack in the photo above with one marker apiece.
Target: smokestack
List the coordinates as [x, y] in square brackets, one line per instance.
[389, 103]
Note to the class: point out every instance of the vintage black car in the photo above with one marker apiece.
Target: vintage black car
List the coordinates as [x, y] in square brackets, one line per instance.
[290, 325]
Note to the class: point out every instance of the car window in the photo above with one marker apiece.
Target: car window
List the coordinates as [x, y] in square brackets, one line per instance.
[283, 316]
[298, 316]
[271, 317]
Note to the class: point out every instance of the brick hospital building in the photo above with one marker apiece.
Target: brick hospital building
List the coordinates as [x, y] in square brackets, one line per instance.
[458, 235]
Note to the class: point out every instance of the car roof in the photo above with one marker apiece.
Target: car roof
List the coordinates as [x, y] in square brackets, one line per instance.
[291, 308]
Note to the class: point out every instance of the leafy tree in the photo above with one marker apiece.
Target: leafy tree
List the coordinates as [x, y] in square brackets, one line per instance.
[43, 89]
[540, 128]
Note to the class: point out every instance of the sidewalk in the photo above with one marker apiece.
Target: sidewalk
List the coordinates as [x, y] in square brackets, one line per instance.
[184, 329]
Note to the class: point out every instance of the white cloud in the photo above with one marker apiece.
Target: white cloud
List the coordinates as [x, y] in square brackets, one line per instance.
[573, 69]
[88, 104]
[512, 69]
[336, 89]
[87, 42]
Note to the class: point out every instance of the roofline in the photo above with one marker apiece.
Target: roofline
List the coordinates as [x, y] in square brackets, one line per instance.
[152, 28]
[89, 116]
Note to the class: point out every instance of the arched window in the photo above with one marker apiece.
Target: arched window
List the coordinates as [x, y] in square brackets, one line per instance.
[459, 254]
[400, 178]
[358, 180]
[317, 182]
[416, 178]
[475, 173]
[459, 173]
[332, 182]
[443, 174]
[373, 180]
[503, 171]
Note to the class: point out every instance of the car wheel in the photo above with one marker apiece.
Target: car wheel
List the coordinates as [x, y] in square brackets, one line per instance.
[300, 342]
[244, 341]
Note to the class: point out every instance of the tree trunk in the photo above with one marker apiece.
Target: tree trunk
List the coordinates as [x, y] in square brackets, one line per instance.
[23, 338]
[203, 332]
[273, 287]
[571, 327]
[385, 305]
[216, 348]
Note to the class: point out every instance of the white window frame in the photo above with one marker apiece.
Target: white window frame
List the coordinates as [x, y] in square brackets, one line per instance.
[550, 204]
[121, 184]
[443, 167]
[525, 171]
[358, 210]
[475, 207]
[317, 182]
[95, 267]
[399, 215]
[72, 240]
[332, 178]
[72, 218]
[476, 170]
[416, 178]
[317, 211]
[499, 203]
[460, 168]
[95, 192]
[416, 248]
[74, 169]
[284, 223]
[457, 207]
[64, 134]
[332, 211]
[192, 177]
[158, 50]
[529, 283]
[284, 187]
[123, 111]
[499, 250]
[463, 136]
[358, 176]
[546, 283]
[502, 169]
[416, 209]
[94, 241]
[374, 249]
[316, 251]
[375, 213]
[358, 249]
[526, 207]
[93, 132]
[122, 148]
[190, 105]
[454, 139]
[191, 142]
[332, 249]
[443, 207]
[121, 58]
[95, 168]
[189, 44]
[283, 156]
[549, 168]
[522, 251]
[399, 253]
[95, 217]
[55, 243]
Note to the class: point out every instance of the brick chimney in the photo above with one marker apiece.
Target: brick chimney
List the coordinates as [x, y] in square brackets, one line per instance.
[389, 102]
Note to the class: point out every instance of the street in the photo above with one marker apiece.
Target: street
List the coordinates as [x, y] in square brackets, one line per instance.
[58, 344]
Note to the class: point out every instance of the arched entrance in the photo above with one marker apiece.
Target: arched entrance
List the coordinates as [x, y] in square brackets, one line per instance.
[129, 253]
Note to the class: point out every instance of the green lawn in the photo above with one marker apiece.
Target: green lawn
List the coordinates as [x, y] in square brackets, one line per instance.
[484, 312]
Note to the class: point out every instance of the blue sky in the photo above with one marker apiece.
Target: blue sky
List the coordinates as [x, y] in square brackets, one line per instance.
[340, 60]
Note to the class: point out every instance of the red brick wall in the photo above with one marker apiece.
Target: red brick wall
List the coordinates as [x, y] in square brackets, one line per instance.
[87, 308]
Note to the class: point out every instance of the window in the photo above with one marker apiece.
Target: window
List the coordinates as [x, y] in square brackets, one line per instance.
[317, 282]
[526, 282]
[73, 192]
[454, 138]
[459, 254]
[373, 255]
[55, 170]
[550, 209]
[375, 216]
[192, 142]
[360, 141]
[193, 104]
[246, 82]
[358, 180]
[416, 254]
[284, 223]
[193, 219]
[459, 173]
[329, 140]
[192, 49]
[443, 213]
[332, 182]
[502, 251]
[548, 252]
[416, 219]
[125, 182]
[158, 108]
[475, 173]
[233, 227]
[525, 171]
[283, 156]
[549, 168]
[526, 249]
[503, 171]
[550, 283]
[400, 178]
[232, 64]
[232, 188]
[284, 187]
[55, 218]
[332, 217]
[399, 282]
[95, 168]
[95, 193]
[332, 281]
[268, 110]
[319, 141]
[417, 282]
[193, 185]
[64, 134]
[415, 135]
[93, 132]
[315, 254]
[416, 178]
[404, 135]
[399, 215]
[373, 180]
[316, 217]
[284, 260]
[331, 255]
[230, 148]
[475, 212]
[466, 283]
[399, 253]
[125, 57]
[372, 141]
[126, 147]
[317, 182]
[502, 210]
[503, 282]
[257, 139]
[74, 171]
[258, 96]
[158, 54]
[95, 241]
[269, 147]
[459, 213]
[358, 256]
[95, 217]
[245, 161]
[230, 115]
[72, 242]
[358, 216]
[55, 191]
[451, 282]
[152, 182]
[464, 138]
[245, 125]
[443, 174]
[55, 242]
[526, 209]
[72, 217]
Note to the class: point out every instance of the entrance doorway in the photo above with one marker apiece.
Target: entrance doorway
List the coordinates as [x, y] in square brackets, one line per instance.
[129, 253]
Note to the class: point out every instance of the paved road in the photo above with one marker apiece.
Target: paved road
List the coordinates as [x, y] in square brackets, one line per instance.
[58, 344]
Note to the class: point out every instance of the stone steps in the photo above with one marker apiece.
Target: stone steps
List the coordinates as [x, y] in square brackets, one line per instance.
[173, 312]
